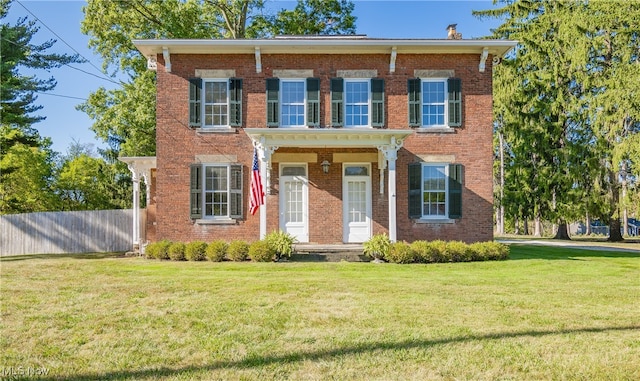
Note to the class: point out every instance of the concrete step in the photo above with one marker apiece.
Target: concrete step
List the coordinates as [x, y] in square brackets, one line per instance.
[328, 253]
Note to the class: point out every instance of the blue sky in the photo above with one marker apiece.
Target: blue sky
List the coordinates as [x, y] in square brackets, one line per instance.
[60, 20]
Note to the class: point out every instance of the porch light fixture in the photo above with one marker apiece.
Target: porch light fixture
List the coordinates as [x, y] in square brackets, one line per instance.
[325, 166]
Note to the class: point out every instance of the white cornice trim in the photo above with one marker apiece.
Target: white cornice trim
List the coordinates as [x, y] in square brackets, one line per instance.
[324, 46]
[330, 137]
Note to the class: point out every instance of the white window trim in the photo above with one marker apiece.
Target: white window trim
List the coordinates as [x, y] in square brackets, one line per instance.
[435, 218]
[203, 105]
[204, 193]
[369, 105]
[304, 103]
[445, 125]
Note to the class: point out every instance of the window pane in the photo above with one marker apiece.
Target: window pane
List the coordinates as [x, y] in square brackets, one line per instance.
[294, 171]
[356, 171]
[357, 103]
[433, 103]
[215, 103]
[292, 107]
[434, 183]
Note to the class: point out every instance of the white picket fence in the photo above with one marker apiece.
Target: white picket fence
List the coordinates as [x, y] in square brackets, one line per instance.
[91, 231]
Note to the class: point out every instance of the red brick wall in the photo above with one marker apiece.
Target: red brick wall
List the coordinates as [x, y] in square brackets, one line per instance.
[177, 146]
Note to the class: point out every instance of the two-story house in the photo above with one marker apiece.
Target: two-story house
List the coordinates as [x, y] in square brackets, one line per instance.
[354, 136]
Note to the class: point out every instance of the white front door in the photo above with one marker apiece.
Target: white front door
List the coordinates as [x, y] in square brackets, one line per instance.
[356, 202]
[294, 201]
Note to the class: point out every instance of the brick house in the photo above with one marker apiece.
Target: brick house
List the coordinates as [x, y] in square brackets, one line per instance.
[354, 135]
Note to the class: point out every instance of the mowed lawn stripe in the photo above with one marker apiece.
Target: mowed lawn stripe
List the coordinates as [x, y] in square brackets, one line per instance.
[547, 313]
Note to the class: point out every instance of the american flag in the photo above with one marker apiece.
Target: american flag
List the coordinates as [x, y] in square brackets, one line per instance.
[257, 192]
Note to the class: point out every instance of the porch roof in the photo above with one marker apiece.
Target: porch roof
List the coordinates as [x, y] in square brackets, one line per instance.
[326, 138]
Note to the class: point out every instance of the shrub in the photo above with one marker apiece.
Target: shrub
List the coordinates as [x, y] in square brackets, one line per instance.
[377, 247]
[401, 252]
[217, 250]
[457, 251]
[195, 251]
[422, 251]
[158, 250]
[261, 251]
[438, 251]
[238, 251]
[497, 251]
[281, 243]
[176, 251]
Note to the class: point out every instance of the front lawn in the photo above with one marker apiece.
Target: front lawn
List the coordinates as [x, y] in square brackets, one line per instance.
[547, 313]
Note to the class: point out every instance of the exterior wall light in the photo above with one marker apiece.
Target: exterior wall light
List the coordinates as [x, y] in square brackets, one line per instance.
[325, 166]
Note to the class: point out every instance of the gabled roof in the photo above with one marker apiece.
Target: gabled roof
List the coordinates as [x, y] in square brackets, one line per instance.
[355, 44]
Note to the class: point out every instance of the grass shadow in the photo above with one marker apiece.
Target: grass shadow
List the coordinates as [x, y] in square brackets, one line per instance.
[521, 251]
[260, 361]
[13, 258]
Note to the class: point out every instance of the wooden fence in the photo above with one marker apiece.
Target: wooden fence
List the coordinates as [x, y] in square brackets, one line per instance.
[67, 232]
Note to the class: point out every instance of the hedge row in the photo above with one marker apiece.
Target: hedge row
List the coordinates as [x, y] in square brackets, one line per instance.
[445, 251]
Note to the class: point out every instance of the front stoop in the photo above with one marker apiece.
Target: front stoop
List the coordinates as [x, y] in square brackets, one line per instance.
[328, 253]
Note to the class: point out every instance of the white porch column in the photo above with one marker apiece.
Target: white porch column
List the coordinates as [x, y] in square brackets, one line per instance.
[264, 154]
[140, 167]
[390, 153]
[135, 177]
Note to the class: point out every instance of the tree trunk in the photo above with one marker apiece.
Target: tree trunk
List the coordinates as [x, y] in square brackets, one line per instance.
[625, 215]
[526, 226]
[501, 207]
[563, 231]
[588, 227]
[614, 215]
[537, 227]
[516, 225]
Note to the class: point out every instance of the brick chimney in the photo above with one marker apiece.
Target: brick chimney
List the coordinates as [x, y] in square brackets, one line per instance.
[452, 34]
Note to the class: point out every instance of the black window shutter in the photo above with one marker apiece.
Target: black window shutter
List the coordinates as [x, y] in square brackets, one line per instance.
[337, 102]
[455, 102]
[195, 94]
[377, 102]
[415, 190]
[413, 89]
[196, 191]
[235, 102]
[455, 190]
[313, 102]
[235, 207]
[273, 89]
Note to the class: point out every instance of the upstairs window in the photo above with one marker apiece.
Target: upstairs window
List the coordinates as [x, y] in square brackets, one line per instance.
[293, 102]
[215, 103]
[357, 102]
[435, 102]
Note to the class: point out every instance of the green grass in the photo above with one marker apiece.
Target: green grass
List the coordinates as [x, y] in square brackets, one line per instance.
[548, 313]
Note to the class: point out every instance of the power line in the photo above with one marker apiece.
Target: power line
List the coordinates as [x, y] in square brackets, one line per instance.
[66, 43]
[62, 96]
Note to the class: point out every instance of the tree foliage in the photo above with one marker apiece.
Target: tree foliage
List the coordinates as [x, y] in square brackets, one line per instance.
[26, 159]
[566, 106]
[125, 117]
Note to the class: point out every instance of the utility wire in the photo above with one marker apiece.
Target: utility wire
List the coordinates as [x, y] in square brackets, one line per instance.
[62, 96]
[71, 47]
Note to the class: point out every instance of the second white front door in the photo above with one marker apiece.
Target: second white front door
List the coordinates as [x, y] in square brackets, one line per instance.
[356, 201]
[294, 201]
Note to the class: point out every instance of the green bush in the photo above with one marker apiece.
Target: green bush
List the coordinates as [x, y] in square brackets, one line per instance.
[176, 251]
[281, 243]
[496, 251]
[261, 251]
[457, 251]
[217, 250]
[377, 247]
[158, 250]
[195, 251]
[238, 251]
[401, 252]
[438, 251]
